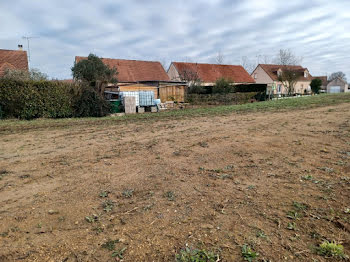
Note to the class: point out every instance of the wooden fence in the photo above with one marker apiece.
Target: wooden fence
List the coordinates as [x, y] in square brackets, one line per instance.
[172, 93]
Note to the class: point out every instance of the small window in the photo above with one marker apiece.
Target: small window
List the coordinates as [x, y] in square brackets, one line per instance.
[255, 76]
[306, 74]
[279, 88]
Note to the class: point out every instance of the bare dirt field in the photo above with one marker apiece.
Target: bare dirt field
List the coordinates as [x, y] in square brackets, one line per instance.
[278, 182]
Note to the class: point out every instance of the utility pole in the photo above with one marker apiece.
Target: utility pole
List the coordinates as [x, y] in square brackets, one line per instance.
[28, 46]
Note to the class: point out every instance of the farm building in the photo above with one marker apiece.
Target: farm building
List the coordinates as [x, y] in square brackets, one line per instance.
[338, 85]
[208, 73]
[269, 74]
[136, 75]
[13, 59]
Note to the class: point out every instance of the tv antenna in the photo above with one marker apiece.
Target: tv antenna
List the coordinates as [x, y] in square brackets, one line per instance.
[28, 38]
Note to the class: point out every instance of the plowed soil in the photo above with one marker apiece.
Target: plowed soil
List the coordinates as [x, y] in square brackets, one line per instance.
[276, 181]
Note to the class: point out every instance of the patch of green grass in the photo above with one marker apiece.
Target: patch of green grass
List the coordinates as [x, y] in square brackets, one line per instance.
[104, 193]
[300, 206]
[292, 214]
[275, 105]
[307, 177]
[128, 193]
[261, 234]
[248, 253]
[110, 244]
[196, 255]
[292, 226]
[331, 249]
[108, 205]
[91, 219]
[119, 253]
[98, 230]
[298, 210]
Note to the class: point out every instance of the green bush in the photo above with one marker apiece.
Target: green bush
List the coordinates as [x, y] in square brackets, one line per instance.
[247, 88]
[89, 103]
[223, 86]
[221, 99]
[49, 99]
[33, 99]
[196, 88]
[316, 85]
[331, 249]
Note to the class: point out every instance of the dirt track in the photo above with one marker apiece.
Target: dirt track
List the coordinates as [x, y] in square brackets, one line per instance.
[213, 182]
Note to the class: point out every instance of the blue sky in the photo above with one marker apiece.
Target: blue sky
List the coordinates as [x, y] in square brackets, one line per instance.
[316, 30]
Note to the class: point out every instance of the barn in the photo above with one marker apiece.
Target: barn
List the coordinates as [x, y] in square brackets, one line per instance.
[137, 75]
[338, 85]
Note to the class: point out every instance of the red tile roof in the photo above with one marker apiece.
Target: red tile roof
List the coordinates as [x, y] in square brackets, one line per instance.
[135, 70]
[271, 70]
[209, 73]
[13, 59]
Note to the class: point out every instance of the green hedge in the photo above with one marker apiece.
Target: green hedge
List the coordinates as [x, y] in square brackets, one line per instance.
[247, 88]
[221, 99]
[49, 99]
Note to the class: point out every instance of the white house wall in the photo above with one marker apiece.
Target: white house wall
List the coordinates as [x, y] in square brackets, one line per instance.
[261, 76]
[173, 73]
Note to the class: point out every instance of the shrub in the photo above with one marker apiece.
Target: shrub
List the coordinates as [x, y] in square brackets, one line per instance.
[33, 99]
[331, 249]
[196, 255]
[261, 88]
[89, 103]
[196, 88]
[50, 99]
[223, 86]
[316, 85]
[248, 253]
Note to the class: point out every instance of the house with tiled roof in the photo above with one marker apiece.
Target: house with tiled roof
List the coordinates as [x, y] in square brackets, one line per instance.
[137, 75]
[13, 59]
[269, 74]
[135, 71]
[337, 85]
[208, 73]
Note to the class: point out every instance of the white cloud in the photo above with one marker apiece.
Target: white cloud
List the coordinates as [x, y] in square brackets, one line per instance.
[173, 30]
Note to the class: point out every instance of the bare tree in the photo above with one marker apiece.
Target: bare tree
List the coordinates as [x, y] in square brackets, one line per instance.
[248, 65]
[288, 74]
[336, 75]
[266, 59]
[286, 57]
[219, 59]
[189, 75]
[289, 77]
[193, 81]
